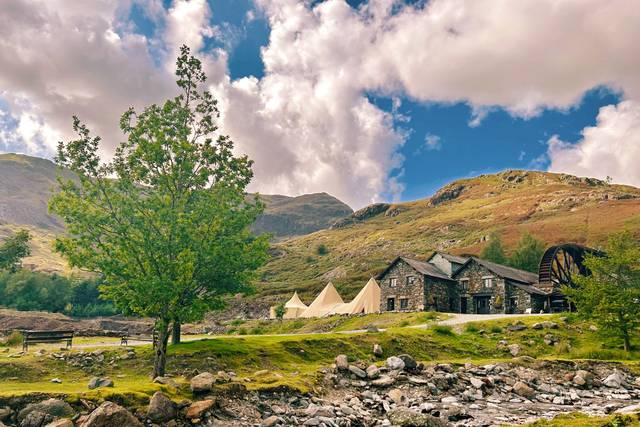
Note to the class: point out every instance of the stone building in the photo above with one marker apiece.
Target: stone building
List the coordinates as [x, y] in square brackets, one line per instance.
[457, 284]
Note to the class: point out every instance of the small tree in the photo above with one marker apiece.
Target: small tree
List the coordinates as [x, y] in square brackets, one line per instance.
[527, 254]
[13, 250]
[494, 251]
[280, 311]
[166, 222]
[610, 296]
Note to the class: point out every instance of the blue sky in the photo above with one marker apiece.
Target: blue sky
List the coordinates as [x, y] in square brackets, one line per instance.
[348, 98]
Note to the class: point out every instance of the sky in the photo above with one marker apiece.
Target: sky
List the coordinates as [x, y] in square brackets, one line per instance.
[368, 100]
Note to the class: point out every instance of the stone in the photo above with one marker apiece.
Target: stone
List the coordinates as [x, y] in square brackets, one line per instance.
[270, 421]
[395, 363]
[397, 396]
[64, 422]
[476, 382]
[97, 382]
[517, 327]
[161, 408]
[166, 381]
[377, 350]
[202, 383]
[56, 380]
[197, 409]
[449, 400]
[514, 349]
[55, 408]
[550, 339]
[110, 414]
[409, 362]
[373, 372]
[583, 378]
[5, 413]
[615, 380]
[342, 362]
[593, 328]
[383, 381]
[37, 419]
[372, 329]
[523, 390]
[357, 372]
[403, 417]
[632, 409]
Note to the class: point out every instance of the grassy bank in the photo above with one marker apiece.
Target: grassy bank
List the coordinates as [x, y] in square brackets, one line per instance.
[582, 420]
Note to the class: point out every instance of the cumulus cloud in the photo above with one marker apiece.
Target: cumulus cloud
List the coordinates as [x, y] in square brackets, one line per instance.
[308, 123]
[610, 148]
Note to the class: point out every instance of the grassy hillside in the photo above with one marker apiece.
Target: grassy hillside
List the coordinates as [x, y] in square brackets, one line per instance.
[553, 207]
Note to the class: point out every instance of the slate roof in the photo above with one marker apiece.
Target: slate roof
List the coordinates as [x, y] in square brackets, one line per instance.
[530, 289]
[421, 267]
[505, 272]
[450, 258]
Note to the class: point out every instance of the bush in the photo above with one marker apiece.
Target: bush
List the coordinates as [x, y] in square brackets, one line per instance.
[14, 339]
[322, 249]
[403, 323]
[256, 331]
[309, 259]
[495, 329]
[430, 315]
[471, 328]
[443, 330]
[236, 322]
[242, 331]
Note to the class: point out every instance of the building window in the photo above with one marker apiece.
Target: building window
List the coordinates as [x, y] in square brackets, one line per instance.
[487, 282]
[404, 303]
[393, 282]
[411, 280]
[391, 304]
[464, 285]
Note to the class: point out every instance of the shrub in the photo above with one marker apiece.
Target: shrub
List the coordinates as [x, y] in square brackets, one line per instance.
[322, 249]
[236, 322]
[14, 339]
[495, 329]
[242, 331]
[256, 331]
[309, 259]
[403, 323]
[443, 330]
[471, 328]
[430, 315]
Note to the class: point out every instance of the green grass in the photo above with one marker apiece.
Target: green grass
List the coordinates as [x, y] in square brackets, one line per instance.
[335, 323]
[581, 420]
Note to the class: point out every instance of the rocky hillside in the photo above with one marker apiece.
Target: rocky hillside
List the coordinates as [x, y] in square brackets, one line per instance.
[458, 218]
[26, 184]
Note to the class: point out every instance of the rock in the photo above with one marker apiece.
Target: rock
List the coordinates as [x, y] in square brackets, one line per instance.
[166, 381]
[270, 421]
[197, 409]
[383, 381]
[614, 380]
[110, 414]
[409, 362]
[54, 408]
[203, 382]
[593, 328]
[373, 372]
[342, 362]
[357, 372]
[403, 417]
[476, 382]
[97, 382]
[372, 329]
[449, 400]
[397, 396]
[64, 422]
[523, 390]
[37, 419]
[161, 408]
[550, 339]
[377, 350]
[5, 413]
[395, 363]
[583, 378]
[519, 326]
[632, 409]
[56, 380]
[514, 349]
[559, 400]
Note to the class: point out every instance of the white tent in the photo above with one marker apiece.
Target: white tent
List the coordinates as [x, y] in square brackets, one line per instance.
[326, 301]
[294, 307]
[367, 301]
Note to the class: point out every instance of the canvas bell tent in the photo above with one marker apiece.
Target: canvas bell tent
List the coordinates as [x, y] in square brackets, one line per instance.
[294, 307]
[367, 301]
[326, 301]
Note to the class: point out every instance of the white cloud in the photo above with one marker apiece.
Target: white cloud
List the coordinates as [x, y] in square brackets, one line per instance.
[610, 148]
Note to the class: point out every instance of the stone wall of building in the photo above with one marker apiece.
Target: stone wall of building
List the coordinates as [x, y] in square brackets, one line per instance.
[441, 295]
[413, 293]
[475, 273]
[518, 300]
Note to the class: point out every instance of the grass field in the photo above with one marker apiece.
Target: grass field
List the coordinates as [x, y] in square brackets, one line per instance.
[582, 420]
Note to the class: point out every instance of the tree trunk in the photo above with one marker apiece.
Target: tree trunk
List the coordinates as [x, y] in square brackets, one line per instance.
[627, 340]
[175, 333]
[160, 359]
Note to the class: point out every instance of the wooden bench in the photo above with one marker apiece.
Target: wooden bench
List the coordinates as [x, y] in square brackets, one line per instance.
[150, 338]
[45, 337]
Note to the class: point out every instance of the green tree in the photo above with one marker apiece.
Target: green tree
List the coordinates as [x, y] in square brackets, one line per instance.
[494, 251]
[280, 311]
[527, 254]
[165, 223]
[610, 296]
[13, 250]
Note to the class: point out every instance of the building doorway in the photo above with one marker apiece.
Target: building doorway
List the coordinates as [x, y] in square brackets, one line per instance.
[391, 304]
[482, 304]
[463, 305]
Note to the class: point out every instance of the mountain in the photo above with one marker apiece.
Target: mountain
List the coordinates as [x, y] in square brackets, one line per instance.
[26, 183]
[458, 219]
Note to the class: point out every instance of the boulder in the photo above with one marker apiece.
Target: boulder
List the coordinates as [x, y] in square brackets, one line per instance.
[519, 326]
[53, 408]
[632, 409]
[166, 381]
[395, 363]
[63, 422]
[97, 382]
[357, 372]
[202, 383]
[270, 421]
[110, 414]
[615, 380]
[161, 408]
[523, 390]
[409, 362]
[373, 372]
[37, 419]
[377, 350]
[514, 349]
[342, 362]
[397, 396]
[403, 417]
[383, 381]
[197, 409]
[476, 382]
[583, 378]
[5, 413]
